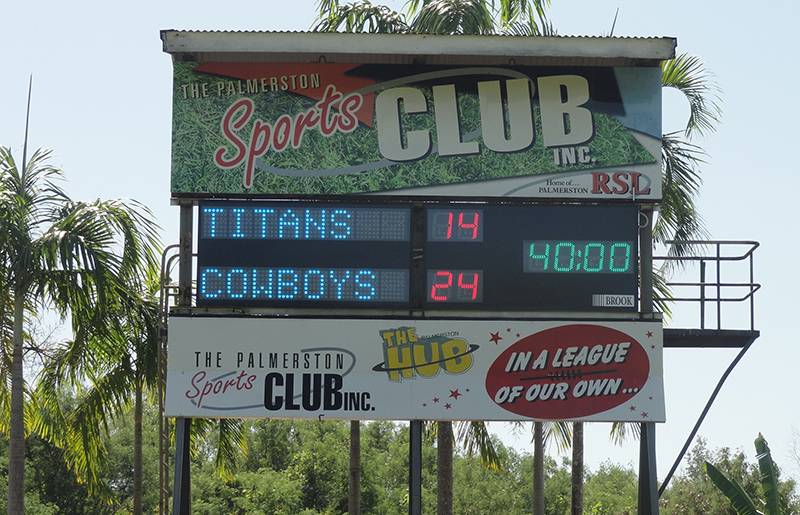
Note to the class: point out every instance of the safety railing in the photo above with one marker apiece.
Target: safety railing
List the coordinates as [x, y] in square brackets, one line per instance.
[714, 290]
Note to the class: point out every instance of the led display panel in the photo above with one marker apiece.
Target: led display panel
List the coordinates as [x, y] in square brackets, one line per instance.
[303, 255]
[466, 256]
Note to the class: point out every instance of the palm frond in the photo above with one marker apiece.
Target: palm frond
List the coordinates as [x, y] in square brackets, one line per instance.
[688, 75]
[767, 474]
[741, 502]
[662, 297]
[474, 436]
[559, 432]
[621, 431]
[231, 446]
[359, 16]
[454, 17]
[678, 218]
[531, 14]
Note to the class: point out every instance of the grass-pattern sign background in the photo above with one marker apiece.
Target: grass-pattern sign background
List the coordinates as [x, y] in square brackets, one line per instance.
[201, 99]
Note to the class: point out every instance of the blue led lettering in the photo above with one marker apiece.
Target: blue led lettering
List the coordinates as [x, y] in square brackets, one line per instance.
[212, 213]
[242, 283]
[341, 224]
[289, 219]
[339, 284]
[319, 224]
[204, 280]
[237, 217]
[263, 213]
[313, 280]
[287, 288]
[263, 289]
[365, 279]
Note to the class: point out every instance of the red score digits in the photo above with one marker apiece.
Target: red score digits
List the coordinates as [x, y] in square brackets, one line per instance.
[467, 285]
[455, 225]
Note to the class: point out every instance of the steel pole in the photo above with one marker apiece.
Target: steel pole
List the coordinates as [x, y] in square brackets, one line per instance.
[415, 468]
[648, 477]
[182, 489]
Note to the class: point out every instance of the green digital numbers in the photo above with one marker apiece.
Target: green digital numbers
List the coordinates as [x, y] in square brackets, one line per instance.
[584, 257]
[545, 258]
[569, 255]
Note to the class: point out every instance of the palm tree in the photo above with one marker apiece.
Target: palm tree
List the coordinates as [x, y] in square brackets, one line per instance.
[678, 218]
[543, 433]
[75, 258]
[439, 17]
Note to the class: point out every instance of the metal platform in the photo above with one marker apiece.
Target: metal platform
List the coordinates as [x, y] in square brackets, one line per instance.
[701, 254]
[708, 338]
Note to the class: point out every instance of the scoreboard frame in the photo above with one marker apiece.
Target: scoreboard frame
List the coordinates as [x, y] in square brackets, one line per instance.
[566, 292]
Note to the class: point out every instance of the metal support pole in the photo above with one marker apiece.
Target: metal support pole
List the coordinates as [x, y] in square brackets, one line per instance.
[185, 259]
[648, 478]
[181, 500]
[415, 468]
[354, 486]
[703, 294]
[182, 490]
[719, 290]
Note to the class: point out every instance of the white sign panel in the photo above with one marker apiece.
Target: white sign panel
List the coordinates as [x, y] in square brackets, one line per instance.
[415, 369]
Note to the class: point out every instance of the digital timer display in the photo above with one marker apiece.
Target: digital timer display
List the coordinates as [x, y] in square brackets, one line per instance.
[417, 255]
[587, 257]
[571, 256]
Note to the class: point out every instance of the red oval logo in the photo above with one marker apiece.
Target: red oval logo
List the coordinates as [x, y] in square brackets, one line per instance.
[568, 372]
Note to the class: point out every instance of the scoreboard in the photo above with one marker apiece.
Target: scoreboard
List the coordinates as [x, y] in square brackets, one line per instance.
[464, 256]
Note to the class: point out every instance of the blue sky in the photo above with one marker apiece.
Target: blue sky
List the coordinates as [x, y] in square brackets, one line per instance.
[101, 101]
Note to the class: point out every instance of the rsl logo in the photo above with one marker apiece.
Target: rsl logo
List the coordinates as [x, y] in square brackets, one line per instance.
[407, 356]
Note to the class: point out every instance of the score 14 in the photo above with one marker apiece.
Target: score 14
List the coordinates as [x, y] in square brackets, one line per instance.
[457, 225]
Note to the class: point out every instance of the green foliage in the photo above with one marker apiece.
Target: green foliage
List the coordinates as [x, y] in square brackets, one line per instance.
[434, 17]
[741, 502]
[768, 476]
[611, 490]
[297, 467]
[50, 487]
[693, 492]
[85, 261]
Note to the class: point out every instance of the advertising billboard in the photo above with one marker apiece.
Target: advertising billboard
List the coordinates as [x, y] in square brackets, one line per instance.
[288, 129]
[415, 369]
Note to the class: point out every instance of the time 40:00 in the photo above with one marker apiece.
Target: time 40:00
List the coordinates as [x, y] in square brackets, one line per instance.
[553, 256]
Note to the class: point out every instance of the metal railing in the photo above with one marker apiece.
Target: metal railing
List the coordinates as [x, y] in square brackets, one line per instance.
[715, 253]
[168, 258]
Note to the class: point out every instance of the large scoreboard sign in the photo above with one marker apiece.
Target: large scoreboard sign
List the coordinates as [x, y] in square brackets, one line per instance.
[465, 256]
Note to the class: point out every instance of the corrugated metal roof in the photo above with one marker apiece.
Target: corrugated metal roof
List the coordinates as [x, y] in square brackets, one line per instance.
[562, 36]
[288, 46]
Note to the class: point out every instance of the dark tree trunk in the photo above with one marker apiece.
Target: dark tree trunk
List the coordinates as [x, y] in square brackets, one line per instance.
[16, 447]
[538, 468]
[354, 490]
[444, 473]
[137, 447]
[577, 468]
